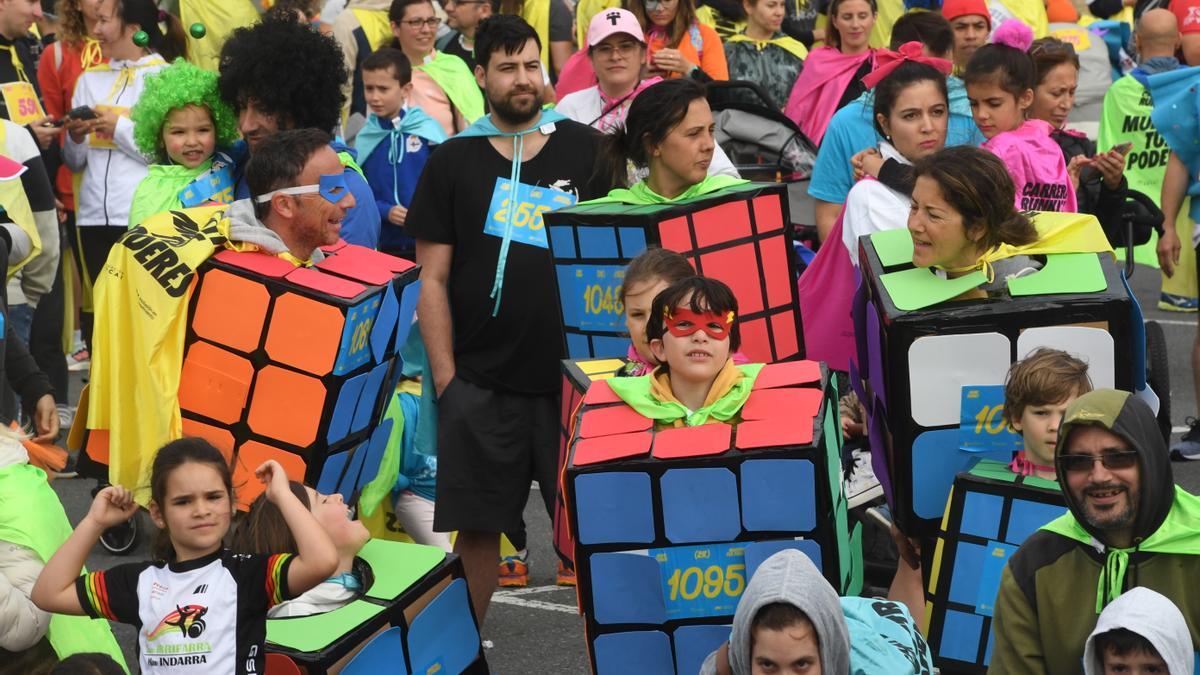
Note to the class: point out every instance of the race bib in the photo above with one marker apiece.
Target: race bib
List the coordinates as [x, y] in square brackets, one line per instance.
[105, 140]
[214, 185]
[983, 426]
[22, 102]
[525, 210]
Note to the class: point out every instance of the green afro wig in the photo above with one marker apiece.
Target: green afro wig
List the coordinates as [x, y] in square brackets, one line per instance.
[176, 86]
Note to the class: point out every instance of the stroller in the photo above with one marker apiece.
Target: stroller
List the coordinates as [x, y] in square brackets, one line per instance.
[765, 145]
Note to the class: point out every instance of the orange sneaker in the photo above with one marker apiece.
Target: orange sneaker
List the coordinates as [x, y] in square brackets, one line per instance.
[514, 571]
[565, 576]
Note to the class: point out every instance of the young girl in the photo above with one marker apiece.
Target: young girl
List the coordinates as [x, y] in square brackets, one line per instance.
[100, 143]
[265, 531]
[180, 120]
[1000, 80]
[652, 271]
[693, 332]
[198, 604]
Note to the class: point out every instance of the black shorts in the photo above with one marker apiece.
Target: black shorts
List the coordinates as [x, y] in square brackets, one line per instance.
[491, 446]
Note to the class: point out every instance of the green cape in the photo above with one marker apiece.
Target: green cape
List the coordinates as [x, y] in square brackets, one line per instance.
[636, 392]
[640, 192]
[453, 76]
[32, 516]
[1179, 534]
[159, 190]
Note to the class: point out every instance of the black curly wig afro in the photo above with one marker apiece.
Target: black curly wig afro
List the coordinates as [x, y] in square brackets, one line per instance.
[289, 69]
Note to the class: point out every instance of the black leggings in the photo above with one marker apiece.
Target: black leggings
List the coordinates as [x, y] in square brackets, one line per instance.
[95, 241]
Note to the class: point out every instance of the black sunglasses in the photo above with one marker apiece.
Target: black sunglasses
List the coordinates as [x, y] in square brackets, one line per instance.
[1112, 461]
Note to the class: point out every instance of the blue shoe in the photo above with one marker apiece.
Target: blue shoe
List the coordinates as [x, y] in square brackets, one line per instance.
[1188, 447]
[1177, 303]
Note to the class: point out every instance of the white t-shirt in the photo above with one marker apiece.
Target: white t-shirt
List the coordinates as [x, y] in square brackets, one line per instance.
[872, 206]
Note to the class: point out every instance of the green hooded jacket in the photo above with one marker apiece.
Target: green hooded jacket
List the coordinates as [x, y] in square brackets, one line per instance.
[1052, 589]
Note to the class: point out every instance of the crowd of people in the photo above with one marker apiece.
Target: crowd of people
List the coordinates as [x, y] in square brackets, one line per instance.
[439, 132]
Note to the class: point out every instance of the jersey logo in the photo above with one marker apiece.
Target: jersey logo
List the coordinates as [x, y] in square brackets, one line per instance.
[188, 619]
[202, 588]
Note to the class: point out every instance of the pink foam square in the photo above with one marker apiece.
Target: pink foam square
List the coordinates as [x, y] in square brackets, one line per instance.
[610, 448]
[328, 284]
[794, 403]
[675, 235]
[776, 432]
[610, 420]
[701, 441]
[259, 263]
[599, 392]
[768, 213]
[787, 374]
[721, 223]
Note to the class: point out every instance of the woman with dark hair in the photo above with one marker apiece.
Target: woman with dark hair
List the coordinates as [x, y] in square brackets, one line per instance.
[678, 45]
[963, 216]
[669, 132]
[102, 146]
[912, 111]
[442, 85]
[832, 74]
[1100, 185]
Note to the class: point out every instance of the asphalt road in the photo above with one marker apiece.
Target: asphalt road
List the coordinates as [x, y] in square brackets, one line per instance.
[537, 630]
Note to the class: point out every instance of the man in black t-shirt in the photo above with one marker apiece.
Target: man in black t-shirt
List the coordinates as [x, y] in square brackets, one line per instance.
[488, 307]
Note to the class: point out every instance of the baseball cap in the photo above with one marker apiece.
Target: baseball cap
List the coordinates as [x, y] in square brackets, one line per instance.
[952, 9]
[613, 21]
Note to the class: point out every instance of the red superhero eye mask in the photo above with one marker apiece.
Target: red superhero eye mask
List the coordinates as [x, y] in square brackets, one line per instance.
[683, 322]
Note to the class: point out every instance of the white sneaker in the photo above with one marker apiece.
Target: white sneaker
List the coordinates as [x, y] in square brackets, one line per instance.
[861, 486]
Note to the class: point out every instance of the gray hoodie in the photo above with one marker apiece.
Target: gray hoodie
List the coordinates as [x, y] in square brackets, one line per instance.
[789, 576]
[1154, 617]
[244, 226]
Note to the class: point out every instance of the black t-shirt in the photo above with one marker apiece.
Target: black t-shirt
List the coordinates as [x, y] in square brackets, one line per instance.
[517, 350]
[204, 615]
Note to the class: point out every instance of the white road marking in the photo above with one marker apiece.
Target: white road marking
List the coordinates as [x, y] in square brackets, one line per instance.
[518, 597]
[1179, 430]
[1175, 322]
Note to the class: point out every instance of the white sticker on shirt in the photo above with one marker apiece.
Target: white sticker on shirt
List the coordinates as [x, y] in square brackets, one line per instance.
[532, 201]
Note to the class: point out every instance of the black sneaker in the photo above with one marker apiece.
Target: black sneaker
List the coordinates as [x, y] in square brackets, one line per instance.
[1188, 447]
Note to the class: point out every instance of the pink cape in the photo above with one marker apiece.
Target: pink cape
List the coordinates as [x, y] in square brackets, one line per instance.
[814, 98]
[826, 296]
[1038, 169]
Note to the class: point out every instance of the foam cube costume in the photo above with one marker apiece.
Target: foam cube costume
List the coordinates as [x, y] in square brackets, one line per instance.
[990, 514]
[577, 378]
[670, 524]
[727, 235]
[917, 351]
[293, 364]
[414, 615]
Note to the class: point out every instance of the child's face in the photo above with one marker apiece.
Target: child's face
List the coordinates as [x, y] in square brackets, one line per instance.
[384, 94]
[1135, 663]
[195, 510]
[638, 299]
[696, 357]
[1038, 425]
[348, 535]
[189, 136]
[791, 651]
[994, 109]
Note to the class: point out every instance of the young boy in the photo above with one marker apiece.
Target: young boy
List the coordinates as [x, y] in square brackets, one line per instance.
[790, 620]
[394, 144]
[692, 331]
[1038, 390]
[1140, 632]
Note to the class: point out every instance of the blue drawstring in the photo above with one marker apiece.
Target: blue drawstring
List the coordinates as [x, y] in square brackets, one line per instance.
[514, 188]
[395, 156]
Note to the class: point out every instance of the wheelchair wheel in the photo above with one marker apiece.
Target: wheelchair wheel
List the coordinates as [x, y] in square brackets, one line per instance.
[121, 539]
[1158, 375]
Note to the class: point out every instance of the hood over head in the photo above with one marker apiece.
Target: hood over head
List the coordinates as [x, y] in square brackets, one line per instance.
[790, 577]
[1154, 617]
[1130, 418]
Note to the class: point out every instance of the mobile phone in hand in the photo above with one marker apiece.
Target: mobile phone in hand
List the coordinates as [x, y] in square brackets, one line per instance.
[1123, 148]
[82, 113]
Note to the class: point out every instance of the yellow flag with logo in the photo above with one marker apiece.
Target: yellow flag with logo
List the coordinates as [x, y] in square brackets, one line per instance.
[141, 303]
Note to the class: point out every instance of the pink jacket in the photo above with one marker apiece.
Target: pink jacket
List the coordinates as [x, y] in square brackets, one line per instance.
[826, 293]
[1037, 167]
